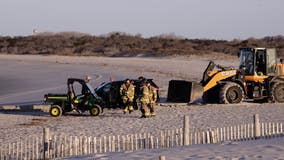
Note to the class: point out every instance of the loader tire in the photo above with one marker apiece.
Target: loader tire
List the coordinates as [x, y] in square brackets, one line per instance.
[277, 93]
[231, 93]
[211, 96]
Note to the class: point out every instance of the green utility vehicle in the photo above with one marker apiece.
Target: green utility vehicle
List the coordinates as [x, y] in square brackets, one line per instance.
[80, 97]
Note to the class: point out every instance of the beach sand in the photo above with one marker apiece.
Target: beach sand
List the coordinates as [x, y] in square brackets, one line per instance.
[15, 125]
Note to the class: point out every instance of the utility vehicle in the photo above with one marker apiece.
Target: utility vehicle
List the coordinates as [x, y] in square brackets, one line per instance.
[80, 97]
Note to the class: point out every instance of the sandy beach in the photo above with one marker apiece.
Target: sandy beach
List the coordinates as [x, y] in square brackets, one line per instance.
[169, 115]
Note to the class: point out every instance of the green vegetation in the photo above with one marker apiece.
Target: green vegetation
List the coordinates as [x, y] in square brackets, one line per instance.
[121, 44]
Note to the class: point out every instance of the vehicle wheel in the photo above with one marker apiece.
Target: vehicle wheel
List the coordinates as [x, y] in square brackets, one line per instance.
[96, 110]
[231, 93]
[55, 111]
[277, 93]
[211, 96]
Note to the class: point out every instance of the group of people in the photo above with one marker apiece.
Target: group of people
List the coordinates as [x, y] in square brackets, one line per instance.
[146, 97]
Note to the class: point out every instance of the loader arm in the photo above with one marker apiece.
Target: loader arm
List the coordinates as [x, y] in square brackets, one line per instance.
[217, 77]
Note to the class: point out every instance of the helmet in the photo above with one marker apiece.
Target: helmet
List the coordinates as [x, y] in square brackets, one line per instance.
[127, 80]
[141, 78]
[147, 82]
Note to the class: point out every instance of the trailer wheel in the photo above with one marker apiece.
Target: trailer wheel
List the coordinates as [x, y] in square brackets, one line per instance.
[277, 93]
[231, 93]
[96, 110]
[55, 111]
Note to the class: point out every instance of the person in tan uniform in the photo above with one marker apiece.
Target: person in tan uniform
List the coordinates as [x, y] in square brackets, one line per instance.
[152, 99]
[144, 100]
[127, 90]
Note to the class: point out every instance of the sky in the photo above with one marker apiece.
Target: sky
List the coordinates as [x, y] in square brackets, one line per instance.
[210, 19]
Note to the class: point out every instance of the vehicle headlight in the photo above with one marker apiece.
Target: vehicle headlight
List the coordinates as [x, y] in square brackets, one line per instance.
[45, 98]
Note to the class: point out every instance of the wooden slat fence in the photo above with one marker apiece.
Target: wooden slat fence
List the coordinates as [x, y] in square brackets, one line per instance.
[29, 147]
[50, 146]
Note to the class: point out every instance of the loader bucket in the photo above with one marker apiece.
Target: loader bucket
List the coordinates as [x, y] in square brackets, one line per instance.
[184, 91]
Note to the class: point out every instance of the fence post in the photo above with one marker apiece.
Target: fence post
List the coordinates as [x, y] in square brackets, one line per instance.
[277, 129]
[269, 129]
[95, 145]
[157, 142]
[84, 145]
[36, 149]
[162, 139]
[162, 157]
[46, 137]
[151, 142]
[118, 143]
[176, 137]
[113, 144]
[181, 136]
[136, 141]
[235, 133]
[256, 126]
[208, 138]
[186, 131]
[105, 144]
[21, 150]
[123, 143]
[195, 137]
[109, 143]
[273, 129]
[172, 137]
[132, 142]
[140, 141]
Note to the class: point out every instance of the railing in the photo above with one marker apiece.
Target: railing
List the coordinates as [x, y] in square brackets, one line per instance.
[50, 146]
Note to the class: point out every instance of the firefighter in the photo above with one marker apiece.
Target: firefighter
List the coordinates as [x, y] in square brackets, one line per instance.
[139, 84]
[144, 100]
[127, 95]
[152, 99]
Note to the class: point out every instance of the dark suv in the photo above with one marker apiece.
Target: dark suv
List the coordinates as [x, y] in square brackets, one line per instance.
[109, 92]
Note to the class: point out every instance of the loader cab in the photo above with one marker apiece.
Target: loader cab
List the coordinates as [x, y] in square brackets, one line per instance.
[257, 61]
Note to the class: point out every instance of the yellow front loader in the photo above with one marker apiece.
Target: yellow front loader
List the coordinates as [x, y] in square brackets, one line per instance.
[259, 78]
[222, 84]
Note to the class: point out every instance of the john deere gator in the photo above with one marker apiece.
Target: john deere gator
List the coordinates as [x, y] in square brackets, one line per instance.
[80, 97]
